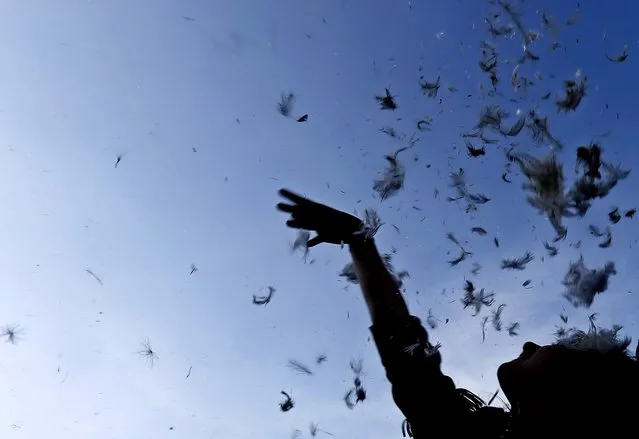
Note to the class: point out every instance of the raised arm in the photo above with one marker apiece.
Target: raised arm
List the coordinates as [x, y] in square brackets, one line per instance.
[381, 293]
[385, 302]
[433, 406]
[428, 398]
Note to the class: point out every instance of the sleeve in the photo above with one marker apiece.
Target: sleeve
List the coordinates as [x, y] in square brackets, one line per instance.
[429, 399]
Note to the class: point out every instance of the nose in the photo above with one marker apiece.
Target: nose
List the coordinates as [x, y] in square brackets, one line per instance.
[528, 349]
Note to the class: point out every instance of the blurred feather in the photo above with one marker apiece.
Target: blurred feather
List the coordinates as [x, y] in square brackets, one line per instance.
[387, 101]
[392, 178]
[496, 317]
[583, 284]
[285, 106]
[619, 58]
[430, 89]
[517, 263]
[299, 367]
[602, 340]
[264, 300]
[513, 329]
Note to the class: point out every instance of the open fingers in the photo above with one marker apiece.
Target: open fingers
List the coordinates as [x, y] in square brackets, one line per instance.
[295, 198]
[295, 224]
[314, 241]
[285, 207]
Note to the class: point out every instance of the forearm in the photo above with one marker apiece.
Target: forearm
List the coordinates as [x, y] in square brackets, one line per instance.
[381, 293]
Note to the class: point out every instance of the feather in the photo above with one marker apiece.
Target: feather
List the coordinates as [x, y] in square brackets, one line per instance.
[430, 89]
[619, 58]
[513, 329]
[574, 92]
[392, 178]
[517, 263]
[285, 106]
[387, 101]
[264, 300]
[597, 339]
[496, 317]
[299, 367]
[583, 284]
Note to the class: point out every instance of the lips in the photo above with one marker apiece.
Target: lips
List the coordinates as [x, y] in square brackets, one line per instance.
[507, 374]
[510, 374]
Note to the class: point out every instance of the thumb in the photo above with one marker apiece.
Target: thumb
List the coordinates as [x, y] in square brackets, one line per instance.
[313, 242]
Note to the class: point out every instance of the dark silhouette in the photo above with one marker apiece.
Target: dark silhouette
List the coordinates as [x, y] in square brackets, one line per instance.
[554, 391]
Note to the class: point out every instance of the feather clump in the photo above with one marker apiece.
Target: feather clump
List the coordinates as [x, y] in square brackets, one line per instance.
[602, 340]
[371, 225]
[476, 299]
[574, 92]
[583, 284]
[540, 132]
[588, 188]
[387, 101]
[545, 187]
[458, 182]
[547, 191]
[392, 178]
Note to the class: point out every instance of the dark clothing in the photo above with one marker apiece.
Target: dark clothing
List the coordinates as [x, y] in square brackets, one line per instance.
[433, 406]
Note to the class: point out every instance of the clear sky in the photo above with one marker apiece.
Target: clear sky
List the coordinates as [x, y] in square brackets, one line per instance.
[186, 92]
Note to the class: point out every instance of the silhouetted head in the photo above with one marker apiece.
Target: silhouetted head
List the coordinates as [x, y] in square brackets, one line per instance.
[576, 388]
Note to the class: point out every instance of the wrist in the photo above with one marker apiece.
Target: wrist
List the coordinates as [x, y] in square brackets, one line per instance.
[360, 243]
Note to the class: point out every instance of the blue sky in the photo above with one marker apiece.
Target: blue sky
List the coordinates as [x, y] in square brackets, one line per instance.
[85, 81]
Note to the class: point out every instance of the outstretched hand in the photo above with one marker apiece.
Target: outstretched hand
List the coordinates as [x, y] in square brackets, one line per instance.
[331, 225]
